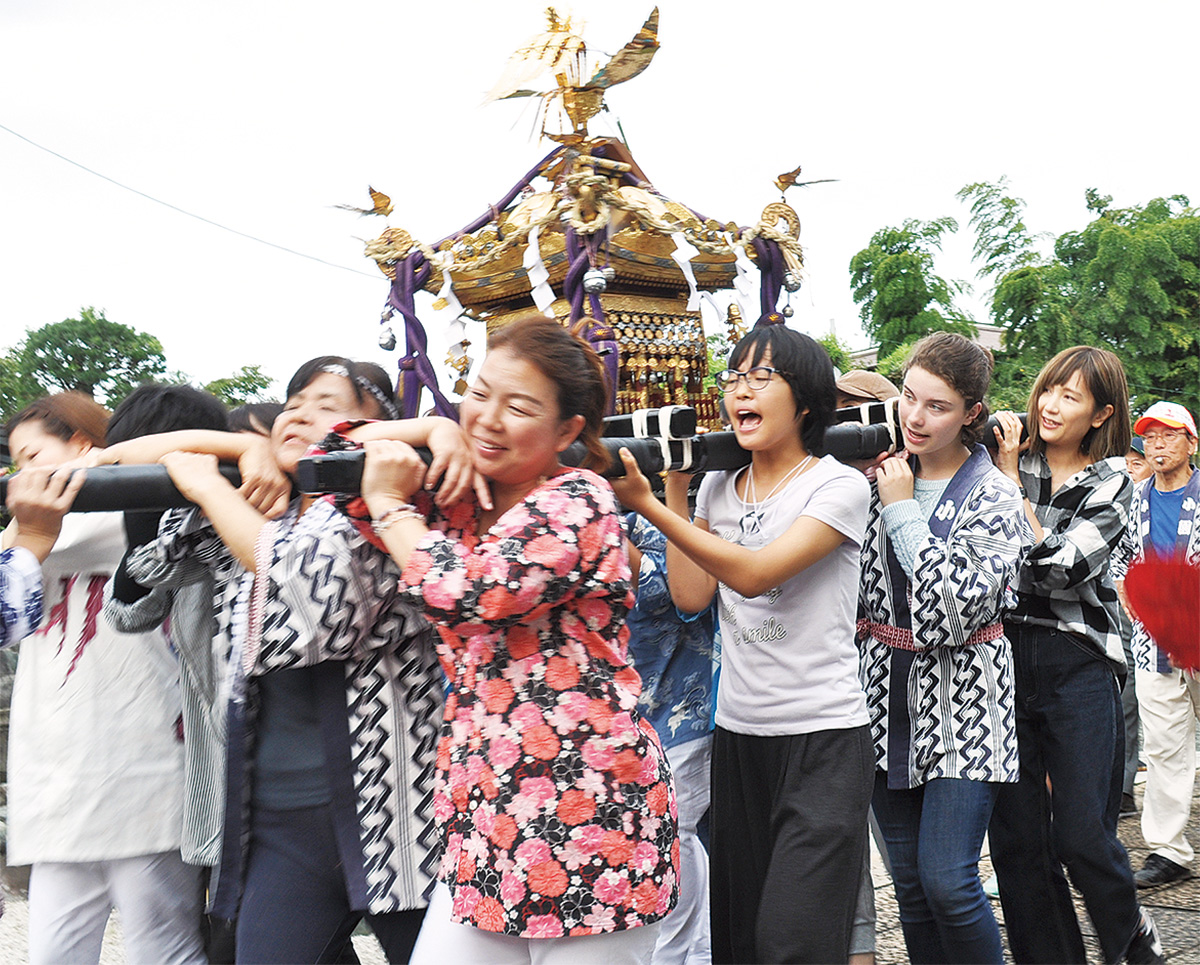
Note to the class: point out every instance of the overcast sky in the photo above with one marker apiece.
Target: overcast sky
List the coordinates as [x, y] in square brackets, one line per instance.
[263, 115]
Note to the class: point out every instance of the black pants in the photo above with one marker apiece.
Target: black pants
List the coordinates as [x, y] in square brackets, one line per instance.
[1069, 728]
[294, 905]
[789, 827]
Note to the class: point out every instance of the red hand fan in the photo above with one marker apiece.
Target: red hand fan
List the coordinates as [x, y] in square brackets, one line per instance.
[1165, 596]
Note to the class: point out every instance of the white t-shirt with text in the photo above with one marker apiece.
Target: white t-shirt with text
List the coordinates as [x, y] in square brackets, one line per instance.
[789, 663]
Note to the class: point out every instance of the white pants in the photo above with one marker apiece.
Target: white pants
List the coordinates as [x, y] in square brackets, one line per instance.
[684, 937]
[160, 900]
[1169, 705]
[444, 942]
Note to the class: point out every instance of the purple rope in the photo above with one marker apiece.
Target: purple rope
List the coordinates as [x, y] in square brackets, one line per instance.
[416, 371]
[770, 267]
[573, 282]
[508, 199]
[596, 332]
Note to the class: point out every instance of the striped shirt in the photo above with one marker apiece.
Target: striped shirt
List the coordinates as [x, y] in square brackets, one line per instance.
[1065, 581]
[187, 594]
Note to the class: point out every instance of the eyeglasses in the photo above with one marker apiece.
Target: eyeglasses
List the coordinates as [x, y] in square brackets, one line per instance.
[1167, 436]
[756, 378]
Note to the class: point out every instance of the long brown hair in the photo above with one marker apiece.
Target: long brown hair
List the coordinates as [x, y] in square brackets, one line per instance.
[1104, 376]
[964, 366]
[63, 415]
[577, 372]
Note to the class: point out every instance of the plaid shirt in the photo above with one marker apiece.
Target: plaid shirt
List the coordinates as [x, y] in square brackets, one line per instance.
[1065, 582]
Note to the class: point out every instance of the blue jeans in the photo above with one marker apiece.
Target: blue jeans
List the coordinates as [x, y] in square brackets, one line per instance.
[934, 834]
[1070, 730]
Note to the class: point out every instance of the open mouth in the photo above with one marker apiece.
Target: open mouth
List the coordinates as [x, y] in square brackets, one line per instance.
[488, 446]
[747, 419]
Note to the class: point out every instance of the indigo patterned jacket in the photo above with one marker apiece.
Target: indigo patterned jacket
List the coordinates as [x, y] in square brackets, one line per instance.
[331, 601]
[1146, 656]
[20, 595]
[941, 699]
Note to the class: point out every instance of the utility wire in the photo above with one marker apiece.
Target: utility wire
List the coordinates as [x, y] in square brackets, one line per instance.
[167, 204]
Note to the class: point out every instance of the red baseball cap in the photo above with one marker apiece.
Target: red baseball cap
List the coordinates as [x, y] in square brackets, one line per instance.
[1170, 414]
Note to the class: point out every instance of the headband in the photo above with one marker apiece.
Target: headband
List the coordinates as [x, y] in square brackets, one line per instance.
[388, 405]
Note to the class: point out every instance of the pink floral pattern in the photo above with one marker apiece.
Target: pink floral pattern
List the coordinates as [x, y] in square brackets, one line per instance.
[552, 795]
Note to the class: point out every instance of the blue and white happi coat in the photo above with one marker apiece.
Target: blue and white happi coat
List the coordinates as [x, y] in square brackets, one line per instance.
[20, 595]
[935, 665]
[327, 599]
[1146, 656]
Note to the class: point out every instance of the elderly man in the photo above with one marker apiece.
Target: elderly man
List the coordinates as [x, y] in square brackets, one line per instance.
[1164, 523]
[1135, 460]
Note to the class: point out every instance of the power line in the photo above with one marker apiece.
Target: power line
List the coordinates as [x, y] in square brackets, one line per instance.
[167, 204]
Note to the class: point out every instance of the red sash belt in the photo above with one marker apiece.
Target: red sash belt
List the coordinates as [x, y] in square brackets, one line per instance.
[902, 639]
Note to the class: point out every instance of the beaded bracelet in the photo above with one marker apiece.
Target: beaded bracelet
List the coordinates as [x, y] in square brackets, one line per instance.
[396, 513]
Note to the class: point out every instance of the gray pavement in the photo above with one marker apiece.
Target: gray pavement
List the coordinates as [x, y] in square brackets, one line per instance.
[1175, 907]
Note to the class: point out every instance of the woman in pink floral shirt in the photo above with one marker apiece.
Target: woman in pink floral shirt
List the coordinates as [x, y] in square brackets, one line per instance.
[553, 796]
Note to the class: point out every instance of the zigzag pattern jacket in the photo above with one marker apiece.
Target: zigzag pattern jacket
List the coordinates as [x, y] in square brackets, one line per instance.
[941, 700]
[331, 601]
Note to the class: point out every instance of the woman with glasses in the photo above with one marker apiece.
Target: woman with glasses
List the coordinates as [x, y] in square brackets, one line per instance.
[777, 544]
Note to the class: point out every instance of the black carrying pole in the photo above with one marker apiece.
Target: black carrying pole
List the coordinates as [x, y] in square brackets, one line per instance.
[672, 421]
[116, 488]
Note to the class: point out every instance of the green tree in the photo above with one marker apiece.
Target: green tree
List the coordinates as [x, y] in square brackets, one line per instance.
[248, 384]
[716, 348]
[92, 355]
[891, 366]
[899, 293]
[1002, 241]
[17, 387]
[1129, 281]
[839, 353]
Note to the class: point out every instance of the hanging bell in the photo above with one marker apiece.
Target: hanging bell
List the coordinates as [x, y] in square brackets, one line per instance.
[791, 281]
[609, 273]
[387, 338]
[594, 281]
[787, 311]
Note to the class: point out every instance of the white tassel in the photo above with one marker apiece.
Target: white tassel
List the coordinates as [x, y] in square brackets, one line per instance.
[447, 304]
[539, 277]
[683, 254]
[745, 282]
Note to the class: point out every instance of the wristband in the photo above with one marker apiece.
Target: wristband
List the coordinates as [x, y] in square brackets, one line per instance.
[404, 511]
